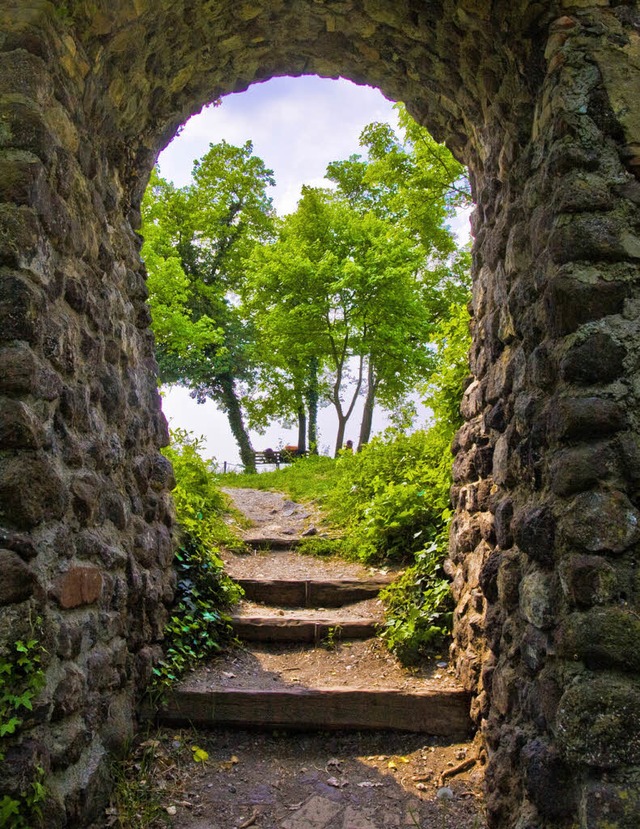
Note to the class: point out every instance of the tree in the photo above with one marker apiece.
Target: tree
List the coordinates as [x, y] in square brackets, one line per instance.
[203, 234]
[337, 290]
[359, 277]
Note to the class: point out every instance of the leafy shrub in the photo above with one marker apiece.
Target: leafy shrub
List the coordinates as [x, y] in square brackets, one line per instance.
[199, 626]
[392, 498]
[21, 679]
[418, 607]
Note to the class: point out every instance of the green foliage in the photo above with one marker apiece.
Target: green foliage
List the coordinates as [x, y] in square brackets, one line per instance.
[392, 498]
[199, 626]
[419, 606]
[21, 680]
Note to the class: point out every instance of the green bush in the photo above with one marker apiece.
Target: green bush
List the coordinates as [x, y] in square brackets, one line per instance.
[418, 607]
[21, 680]
[199, 625]
[392, 498]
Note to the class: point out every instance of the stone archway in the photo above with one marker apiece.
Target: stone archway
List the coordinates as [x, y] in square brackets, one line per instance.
[539, 99]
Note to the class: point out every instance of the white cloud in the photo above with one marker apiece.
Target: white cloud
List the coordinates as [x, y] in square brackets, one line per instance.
[297, 125]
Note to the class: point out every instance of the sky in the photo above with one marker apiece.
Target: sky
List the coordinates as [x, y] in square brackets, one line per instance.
[297, 126]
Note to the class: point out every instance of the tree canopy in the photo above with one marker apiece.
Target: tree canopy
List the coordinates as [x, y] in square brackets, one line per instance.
[271, 318]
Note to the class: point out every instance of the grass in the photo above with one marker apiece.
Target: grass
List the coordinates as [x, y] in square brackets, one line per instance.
[306, 479]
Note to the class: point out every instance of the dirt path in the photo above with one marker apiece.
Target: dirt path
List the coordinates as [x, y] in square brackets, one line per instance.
[309, 780]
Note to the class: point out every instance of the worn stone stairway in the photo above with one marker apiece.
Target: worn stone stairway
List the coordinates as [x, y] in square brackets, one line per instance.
[305, 639]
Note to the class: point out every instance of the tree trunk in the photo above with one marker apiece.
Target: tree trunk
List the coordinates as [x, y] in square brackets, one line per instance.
[302, 429]
[236, 422]
[312, 405]
[342, 425]
[343, 416]
[367, 412]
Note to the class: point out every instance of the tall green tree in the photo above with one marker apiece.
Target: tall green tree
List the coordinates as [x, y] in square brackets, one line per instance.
[359, 277]
[205, 233]
[338, 290]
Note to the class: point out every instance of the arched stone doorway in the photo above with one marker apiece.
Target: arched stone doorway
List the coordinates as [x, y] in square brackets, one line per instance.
[539, 99]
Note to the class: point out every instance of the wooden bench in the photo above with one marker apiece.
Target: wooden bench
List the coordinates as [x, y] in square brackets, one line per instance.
[274, 456]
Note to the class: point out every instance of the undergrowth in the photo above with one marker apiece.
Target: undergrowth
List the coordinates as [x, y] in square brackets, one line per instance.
[199, 625]
[21, 680]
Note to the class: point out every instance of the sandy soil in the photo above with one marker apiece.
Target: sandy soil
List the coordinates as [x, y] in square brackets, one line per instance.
[325, 781]
[358, 664]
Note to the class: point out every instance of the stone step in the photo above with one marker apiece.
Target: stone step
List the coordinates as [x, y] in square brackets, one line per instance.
[270, 628]
[312, 592]
[271, 542]
[440, 713]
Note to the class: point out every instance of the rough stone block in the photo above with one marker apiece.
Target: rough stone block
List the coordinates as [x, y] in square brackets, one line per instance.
[577, 469]
[614, 803]
[489, 576]
[25, 128]
[548, 780]
[588, 238]
[603, 637]
[534, 533]
[602, 522]
[31, 491]
[587, 580]
[68, 741]
[598, 359]
[585, 418]
[70, 694]
[598, 722]
[17, 582]
[538, 600]
[85, 495]
[572, 302]
[19, 240]
[24, 373]
[77, 587]
[69, 640]
[509, 577]
[19, 426]
[21, 307]
[503, 518]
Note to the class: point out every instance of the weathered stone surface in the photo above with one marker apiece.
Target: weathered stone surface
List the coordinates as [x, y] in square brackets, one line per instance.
[598, 722]
[538, 599]
[588, 580]
[69, 695]
[548, 780]
[31, 491]
[77, 587]
[598, 359]
[603, 637]
[509, 576]
[18, 581]
[580, 418]
[602, 522]
[573, 302]
[579, 468]
[534, 533]
[23, 373]
[612, 802]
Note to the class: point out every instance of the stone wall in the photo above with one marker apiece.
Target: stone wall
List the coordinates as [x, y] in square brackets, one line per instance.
[538, 99]
[85, 515]
[544, 545]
